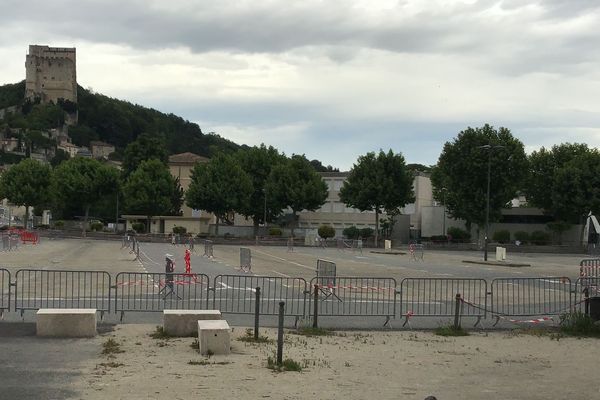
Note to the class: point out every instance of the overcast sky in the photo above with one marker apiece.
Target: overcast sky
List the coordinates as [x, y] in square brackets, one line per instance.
[333, 79]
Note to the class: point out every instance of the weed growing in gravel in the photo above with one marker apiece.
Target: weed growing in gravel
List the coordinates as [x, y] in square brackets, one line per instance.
[249, 338]
[578, 324]
[111, 346]
[310, 331]
[287, 365]
[450, 330]
[160, 333]
[206, 362]
[111, 364]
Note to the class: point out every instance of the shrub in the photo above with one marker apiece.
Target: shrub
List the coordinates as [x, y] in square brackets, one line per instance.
[502, 236]
[326, 231]
[274, 231]
[138, 227]
[351, 232]
[96, 226]
[539, 237]
[439, 238]
[366, 232]
[522, 236]
[59, 224]
[578, 324]
[179, 230]
[458, 235]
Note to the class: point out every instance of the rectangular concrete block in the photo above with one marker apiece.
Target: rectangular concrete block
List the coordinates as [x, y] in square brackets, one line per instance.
[185, 322]
[66, 322]
[214, 337]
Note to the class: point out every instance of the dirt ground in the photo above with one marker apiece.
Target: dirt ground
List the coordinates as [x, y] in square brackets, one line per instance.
[351, 365]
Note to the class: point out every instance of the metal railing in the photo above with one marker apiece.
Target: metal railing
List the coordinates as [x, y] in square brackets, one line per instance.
[589, 267]
[355, 296]
[245, 259]
[435, 297]
[235, 294]
[4, 290]
[155, 292]
[35, 289]
[530, 296]
[208, 249]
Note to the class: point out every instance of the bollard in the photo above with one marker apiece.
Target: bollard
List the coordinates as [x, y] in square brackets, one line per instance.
[316, 307]
[280, 334]
[586, 297]
[256, 313]
[457, 312]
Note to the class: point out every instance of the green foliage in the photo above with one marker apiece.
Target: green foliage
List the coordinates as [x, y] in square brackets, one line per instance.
[319, 167]
[179, 230]
[12, 94]
[351, 232]
[111, 346]
[366, 233]
[287, 365]
[26, 184]
[83, 182]
[149, 190]
[458, 235]
[558, 228]
[450, 330]
[96, 226]
[139, 227]
[257, 163]
[10, 158]
[439, 238]
[501, 236]
[160, 333]
[462, 173]
[59, 157]
[294, 183]
[82, 135]
[311, 331]
[378, 182]
[275, 232]
[59, 224]
[145, 147]
[249, 338]
[539, 237]
[219, 186]
[522, 236]
[578, 324]
[326, 231]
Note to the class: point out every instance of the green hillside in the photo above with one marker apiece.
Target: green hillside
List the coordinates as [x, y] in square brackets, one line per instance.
[119, 122]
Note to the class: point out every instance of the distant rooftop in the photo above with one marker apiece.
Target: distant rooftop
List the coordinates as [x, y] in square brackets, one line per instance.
[186, 158]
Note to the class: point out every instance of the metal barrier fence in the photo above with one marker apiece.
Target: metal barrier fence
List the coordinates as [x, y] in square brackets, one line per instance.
[236, 294]
[356, 296]
[37, 289]
[589, 267]
[436, 297]
[4, 290]
[245, 259]
[208, 249]
[531, 296]
[154, 292]
[584, 288]
[326, 272]
[10, 241]
[417, 251]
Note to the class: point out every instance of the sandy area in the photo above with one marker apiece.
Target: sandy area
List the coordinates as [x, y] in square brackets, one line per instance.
[350, 365]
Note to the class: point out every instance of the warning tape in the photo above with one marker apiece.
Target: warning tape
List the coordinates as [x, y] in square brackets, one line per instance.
[350, 287]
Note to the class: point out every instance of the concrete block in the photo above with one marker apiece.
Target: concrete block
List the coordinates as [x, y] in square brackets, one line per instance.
[214, 337]
[66, 322]
[185, 322]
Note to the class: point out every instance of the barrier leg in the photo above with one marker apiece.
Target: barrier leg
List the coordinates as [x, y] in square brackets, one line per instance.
[280, 334]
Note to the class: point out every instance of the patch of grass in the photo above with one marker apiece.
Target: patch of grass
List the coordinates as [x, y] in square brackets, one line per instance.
[310, 331]
[249, 338]
[287, 365]
[578, 324]
[111, 365]
[206, 362]
[160, 333]
[450, 330]
[111, 346]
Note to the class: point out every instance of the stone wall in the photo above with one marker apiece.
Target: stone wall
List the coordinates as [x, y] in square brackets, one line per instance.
[51, 74]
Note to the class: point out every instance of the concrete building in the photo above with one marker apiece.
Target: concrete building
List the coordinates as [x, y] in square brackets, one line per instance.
[51, 74]
[101, 149]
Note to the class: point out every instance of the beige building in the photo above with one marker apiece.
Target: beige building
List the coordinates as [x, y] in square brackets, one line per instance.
[101, 149]
[69, 148]
[51, 74]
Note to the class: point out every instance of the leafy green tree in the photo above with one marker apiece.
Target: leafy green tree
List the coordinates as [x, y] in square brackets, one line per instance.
[378, 182]
[258, 162]
[326, 231]
[461, 175]
[220, 186]
[294, 183]
[83, 182]
[59, 157]
[150, 190]
[26, 184]
[145, 147]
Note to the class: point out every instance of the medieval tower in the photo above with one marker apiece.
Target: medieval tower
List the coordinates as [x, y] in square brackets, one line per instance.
[51, 74]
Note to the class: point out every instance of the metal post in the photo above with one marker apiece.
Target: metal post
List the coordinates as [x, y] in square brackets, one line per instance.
[280, 334]
[487, 207]
[316, 307]
[586, 296]
[457, 312]
[117, 214]
[256, 313]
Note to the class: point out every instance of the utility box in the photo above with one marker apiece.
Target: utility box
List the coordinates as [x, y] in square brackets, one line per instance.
[214, 337]
[500, 253]
[388, 245]
[594, 308]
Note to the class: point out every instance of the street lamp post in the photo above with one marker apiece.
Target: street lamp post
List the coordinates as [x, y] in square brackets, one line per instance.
[489, 148]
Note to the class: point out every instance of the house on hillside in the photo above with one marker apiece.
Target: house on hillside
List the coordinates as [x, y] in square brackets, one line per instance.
[100, 149]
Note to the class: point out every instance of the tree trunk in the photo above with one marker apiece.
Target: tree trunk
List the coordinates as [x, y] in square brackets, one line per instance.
[293, 221]
[26, 224]
[85, 221]
[255, 220]
[217, 225]
[148, 222]
[376, 227]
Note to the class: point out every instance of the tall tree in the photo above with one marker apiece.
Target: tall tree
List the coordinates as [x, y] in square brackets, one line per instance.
[26, 184]
[258, 162]
[378, 182]
[151, 190]
[83, 182]
[295, 184]
[460, 177]
[145, 147]
[220, 186]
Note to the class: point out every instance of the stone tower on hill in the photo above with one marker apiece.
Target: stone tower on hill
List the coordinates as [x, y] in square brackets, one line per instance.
[51, 74]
